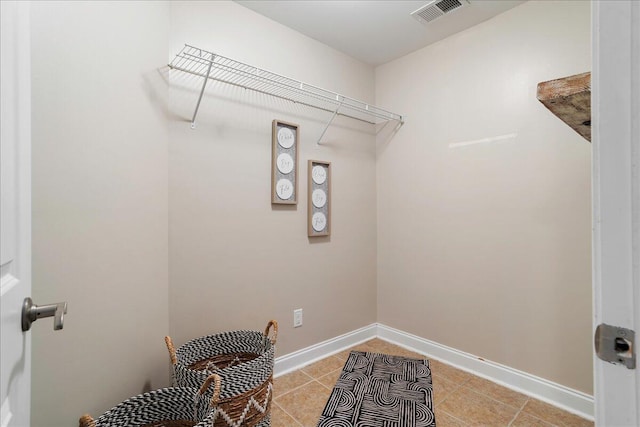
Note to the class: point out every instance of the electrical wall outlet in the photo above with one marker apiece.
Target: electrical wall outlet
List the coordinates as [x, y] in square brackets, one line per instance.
[297, 318]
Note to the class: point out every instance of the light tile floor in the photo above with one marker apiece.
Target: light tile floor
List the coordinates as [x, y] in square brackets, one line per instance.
[460, 398]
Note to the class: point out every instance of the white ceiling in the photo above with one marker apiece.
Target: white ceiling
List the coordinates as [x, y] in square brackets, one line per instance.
[374, 32]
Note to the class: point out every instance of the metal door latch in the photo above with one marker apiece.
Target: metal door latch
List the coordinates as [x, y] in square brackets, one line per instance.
[32, 312]
[616, 345]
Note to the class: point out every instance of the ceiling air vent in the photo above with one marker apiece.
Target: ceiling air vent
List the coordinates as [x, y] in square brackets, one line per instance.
[437, 8]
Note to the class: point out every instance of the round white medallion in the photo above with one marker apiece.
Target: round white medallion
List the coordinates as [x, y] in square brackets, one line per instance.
[285, 138]
[285, 163]
[319, 198]
[284, 189]
[319, 174]
[318, 221]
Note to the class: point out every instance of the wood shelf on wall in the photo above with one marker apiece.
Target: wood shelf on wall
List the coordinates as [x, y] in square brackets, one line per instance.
[569, 98]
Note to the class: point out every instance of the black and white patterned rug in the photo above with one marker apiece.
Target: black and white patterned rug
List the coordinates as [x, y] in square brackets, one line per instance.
[379, 390]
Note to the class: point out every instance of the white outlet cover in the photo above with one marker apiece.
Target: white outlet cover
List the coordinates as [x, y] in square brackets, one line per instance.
[297, 318]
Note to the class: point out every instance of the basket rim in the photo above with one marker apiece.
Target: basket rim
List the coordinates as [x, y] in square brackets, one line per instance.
[244, 332]
[170, 398]
[266, 352]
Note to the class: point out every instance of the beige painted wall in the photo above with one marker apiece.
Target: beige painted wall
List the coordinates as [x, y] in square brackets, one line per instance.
[486, 247]
[112, 197]
[236, 261]
[100, 204]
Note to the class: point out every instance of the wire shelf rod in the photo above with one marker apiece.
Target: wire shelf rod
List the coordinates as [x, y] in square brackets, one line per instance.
[264, 79]
[204, 84]
[333, 116]
[208, 65]
[274, 77]
[291, 100]
[277, 93]
[281, 82]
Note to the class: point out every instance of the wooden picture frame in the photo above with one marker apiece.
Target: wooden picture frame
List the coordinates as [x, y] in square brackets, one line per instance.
[319, 198]
[284, 163]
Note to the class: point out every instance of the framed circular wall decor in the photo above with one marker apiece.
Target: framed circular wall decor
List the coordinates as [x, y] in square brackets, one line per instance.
[318, 221]
[284, 163]
[319, 174]
[319, 198]
[286, 138]
[284, 189]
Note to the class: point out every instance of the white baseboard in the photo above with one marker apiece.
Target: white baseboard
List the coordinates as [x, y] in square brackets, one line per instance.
[296, 360]
[555, 394]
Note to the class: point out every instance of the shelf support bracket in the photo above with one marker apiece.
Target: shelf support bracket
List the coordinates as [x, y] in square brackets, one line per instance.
[204, 84]
[333, 116]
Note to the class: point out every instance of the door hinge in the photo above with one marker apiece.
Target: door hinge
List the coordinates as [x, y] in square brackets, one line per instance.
[616, 345]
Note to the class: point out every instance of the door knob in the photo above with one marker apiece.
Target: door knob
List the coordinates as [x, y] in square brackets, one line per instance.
[32, 312]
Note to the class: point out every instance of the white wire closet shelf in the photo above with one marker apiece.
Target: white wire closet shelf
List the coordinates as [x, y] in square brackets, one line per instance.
[209, 65]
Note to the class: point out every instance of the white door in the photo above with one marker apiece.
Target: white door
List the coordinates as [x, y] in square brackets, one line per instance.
[616, 198]
[15, 212]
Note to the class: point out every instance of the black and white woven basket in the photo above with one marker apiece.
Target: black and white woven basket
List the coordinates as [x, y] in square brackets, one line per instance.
[243, 360]
[167, 407]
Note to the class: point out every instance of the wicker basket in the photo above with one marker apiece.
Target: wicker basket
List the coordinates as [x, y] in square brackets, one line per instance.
[243, 360]
[167, 407]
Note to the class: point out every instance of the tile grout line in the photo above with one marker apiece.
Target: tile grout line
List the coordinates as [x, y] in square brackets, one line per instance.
[472, 390]
[498, 401]
[312, 380]
[326, 358]
[448, 395]
[452, 416]
[538, 418]
[318, 379]
[322, 385]
[458, 387]
[295, 388]
[515, 417]
[285, 411]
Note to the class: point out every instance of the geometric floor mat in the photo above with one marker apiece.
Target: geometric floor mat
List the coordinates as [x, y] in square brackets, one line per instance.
[380, 390]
